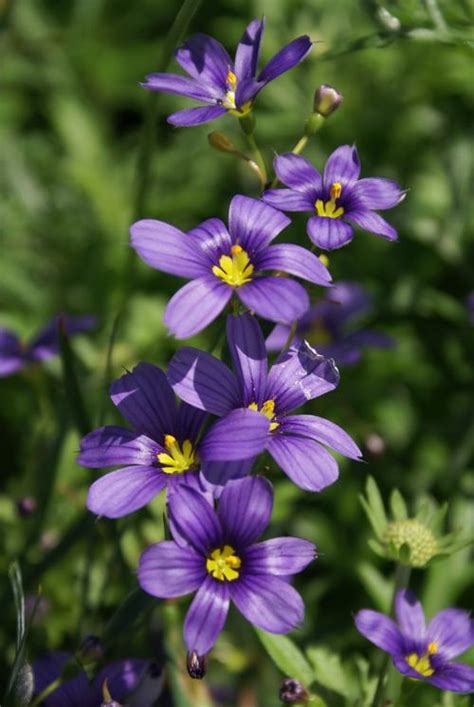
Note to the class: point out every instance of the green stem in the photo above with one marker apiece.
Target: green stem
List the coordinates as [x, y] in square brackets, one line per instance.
[402, 578]
[247, 125]
[291, 336]
[300, 145]
[436, 15]
[46, 692]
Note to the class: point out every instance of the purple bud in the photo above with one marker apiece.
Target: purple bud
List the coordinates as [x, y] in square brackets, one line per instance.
[293, 692]
[196, 665]
[26, 506]
[91, 650]
[326, 100]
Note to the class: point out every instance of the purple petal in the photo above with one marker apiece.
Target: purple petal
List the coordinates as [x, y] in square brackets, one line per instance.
[248, 49]
[241, 434]
[166, 248]
[323, 431]
[329, 233]
[377, 193]
[203, 381]
[380, 630]
[343, 166]
[181, 86]
[146, 400]
[245, 508]
[374, 339]
[189, 422]
[305, 462]
[196, 305]
[300, 375]
[195, 116]
[205, 59]
[206, 616]
[247, 90]
[212, 238]
[122, 676]
[278, 338]
[279, 556]
[278, 299]
[268, 602]
[168, 570]
[410, 617]
[195, 519]
[11, 357]
[298, 173]
[46, 669]
[288, 57]
[108, 446]
[121, 492]
[46, 343]
[294, 260]
[345, 301]
[454, 677]
[452, 630]
[253, 224]
[247, 348]
[370, 221]
[287, 200]
[219, 473]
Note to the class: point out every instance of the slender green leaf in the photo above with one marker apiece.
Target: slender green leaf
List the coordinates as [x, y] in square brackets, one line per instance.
[398, 506]
[330, 673]
[287, 657]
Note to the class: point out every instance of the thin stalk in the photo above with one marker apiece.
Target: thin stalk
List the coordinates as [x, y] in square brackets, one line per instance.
[258, 159]
[291, 336]
[300, 145]
[46, 692]
[436, 15]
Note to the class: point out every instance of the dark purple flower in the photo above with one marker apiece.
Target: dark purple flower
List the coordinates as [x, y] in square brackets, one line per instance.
[215, 554]
[420, 651]
[294, 441]
[335, 198]
[164, 449]
[122, 676]
[14, 354]
[329, 326]
[222, 262]
[226, 86]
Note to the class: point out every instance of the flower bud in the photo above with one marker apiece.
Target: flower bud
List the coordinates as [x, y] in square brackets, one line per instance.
[26, 506]
[196, 665]
[293, 692]
[414, 543]
[326, 100]
[219, 141]
[91, 650]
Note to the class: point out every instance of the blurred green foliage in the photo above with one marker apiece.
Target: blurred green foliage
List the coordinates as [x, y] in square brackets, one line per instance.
[71, 122]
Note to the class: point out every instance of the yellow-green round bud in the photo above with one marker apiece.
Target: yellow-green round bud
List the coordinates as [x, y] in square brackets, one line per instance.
[417, 537]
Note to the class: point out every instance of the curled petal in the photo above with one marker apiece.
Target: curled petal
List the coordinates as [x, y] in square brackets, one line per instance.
[121, 492]
[206, 616]
[169, 570]
[278, 299]
[248, 49]
[196, 305]
[268, 602]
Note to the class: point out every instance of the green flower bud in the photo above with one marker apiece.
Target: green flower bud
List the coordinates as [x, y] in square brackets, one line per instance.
[326, 100]
[415, 536]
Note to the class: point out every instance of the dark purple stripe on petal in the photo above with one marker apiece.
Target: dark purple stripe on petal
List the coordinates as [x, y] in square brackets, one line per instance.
[376, 193]
[168, 570]
[410, 617]
[248, 49]
[121, 492]
[343, 166]
[181, 86]
[253, 224]
[453, 631]
[205, 59]
[247, 348]
[206, 616]
[245, 508]
[108, 446]
[278, 299]
[212, 238]
[189, 422]
[298, 173]
[195, 519]
[294, 260]
[304, 461]
[288, 57]
[196, 305]
[323, 431]
[268, 602]
[329, 233]
[380, 630]
[195, 116]
[288, 200]
[241, 434]
[370, 221]
[279, 556]
[204, 381]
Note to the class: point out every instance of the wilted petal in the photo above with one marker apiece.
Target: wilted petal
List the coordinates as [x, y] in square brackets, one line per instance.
[278, 299]
[195, 116]
[108, 446]
[169, 570]
[299, 174]
[166, 248]
[410, 617]
[323, 431]
[253, 224]
[247, 348]
[196, 305]
[203, 381]
[377, 193]
[288, 200]
[452, 630]
[294, 260]
[380, 630]
[195, 519]
[248, 49]
[206, 616]
[370, 221]
[329, 233]
[146, 400]
[245, 508]
[241, 434]
[268, 602]
[288, 57]
[343, 166]
[279, 556]
[304, 461]
[181, 86]
[121, 492]
[454, 677]
[205, 59]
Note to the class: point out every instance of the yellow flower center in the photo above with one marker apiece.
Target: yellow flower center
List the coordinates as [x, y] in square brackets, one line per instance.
[229, 100]
[267, 409]
[421, 663]
[234, 269]
[330, 208]
[223, 564]
[178, 459]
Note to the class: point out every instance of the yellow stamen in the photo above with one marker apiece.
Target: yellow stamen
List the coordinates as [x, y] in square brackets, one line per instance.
[421, 664]
[231, 80]
[330, 209]
[235, 270]
[324, 259]
[223, 564]
[179, 459]
[267, 409]
[432, 648]
[229, 100]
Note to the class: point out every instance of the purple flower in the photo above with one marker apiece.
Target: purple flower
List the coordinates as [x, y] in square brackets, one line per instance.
[327, 326]
[335, 198]
[215, 554]
[122, 676]
[294, 441]
[15, 355]
[225, 86]
[419, 651]
[470, 306]
[220, 262]
[164, 449]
